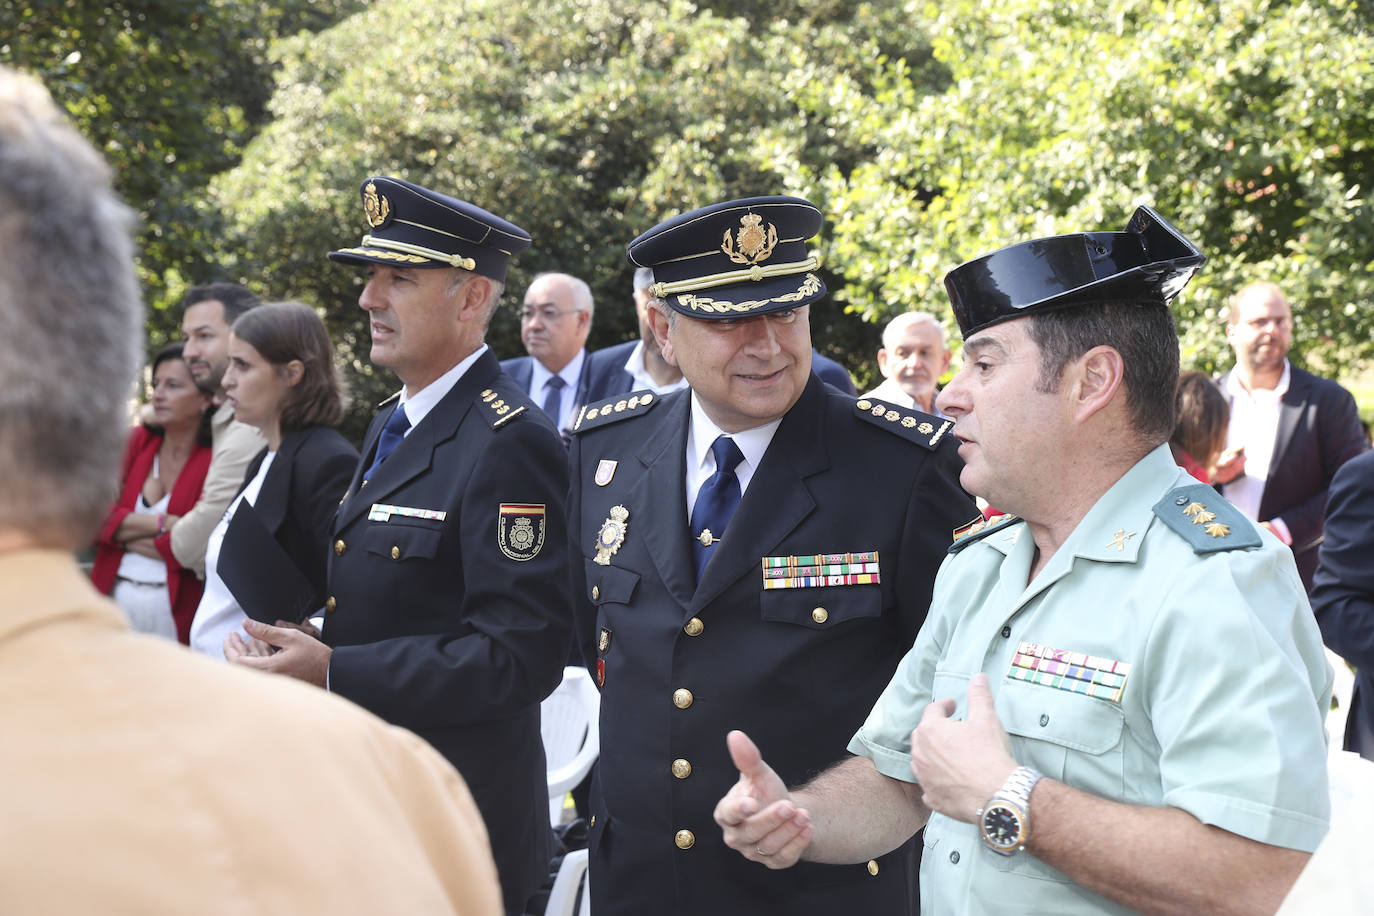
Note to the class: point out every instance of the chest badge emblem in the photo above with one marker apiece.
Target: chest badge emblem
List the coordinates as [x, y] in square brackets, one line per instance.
[611, 536]
[605, 470]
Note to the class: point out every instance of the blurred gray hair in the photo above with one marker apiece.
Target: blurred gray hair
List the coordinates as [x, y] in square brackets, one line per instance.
[71, 322]
[581, 292]
[644, 278]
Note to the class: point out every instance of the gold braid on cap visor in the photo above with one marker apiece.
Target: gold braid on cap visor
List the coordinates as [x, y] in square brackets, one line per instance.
[453, 260]
[755, 273]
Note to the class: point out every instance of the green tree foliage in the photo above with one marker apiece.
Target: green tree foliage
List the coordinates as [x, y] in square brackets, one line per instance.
[170, 91]
[585, 121]
[1245, 123]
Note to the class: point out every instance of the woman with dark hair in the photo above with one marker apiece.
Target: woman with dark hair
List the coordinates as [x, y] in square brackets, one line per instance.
[164, 468]
[267, 556]
[1200, 429]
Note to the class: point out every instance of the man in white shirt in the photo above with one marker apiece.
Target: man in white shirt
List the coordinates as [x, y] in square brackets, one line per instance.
[1289, 431]
[209, 312]
[554, 323]
[912, 359]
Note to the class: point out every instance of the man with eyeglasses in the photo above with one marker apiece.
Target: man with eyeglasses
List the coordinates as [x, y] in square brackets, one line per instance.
[553, 327]
[1289, 432]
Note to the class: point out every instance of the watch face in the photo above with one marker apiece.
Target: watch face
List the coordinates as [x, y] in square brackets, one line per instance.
[1001, 826]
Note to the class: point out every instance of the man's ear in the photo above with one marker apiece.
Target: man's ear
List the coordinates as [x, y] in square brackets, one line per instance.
[882, 361]
[1098, 375]
[658, 323]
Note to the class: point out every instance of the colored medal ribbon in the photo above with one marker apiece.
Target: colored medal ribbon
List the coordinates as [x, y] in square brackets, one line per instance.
[822, 569]
[1076, 672]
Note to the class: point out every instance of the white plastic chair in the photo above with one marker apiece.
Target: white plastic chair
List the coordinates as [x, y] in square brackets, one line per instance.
[563, 896]
[568, 723]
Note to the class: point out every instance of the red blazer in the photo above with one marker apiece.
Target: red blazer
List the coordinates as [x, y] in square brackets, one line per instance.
[183, 587]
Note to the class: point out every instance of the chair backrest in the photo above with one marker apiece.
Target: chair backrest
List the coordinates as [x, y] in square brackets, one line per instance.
[568, 723]
[572, 876]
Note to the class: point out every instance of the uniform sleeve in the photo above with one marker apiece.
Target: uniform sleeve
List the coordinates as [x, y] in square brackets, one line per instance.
[1343, 588]
[1236, 686]
[234, 448]
[516, 614]
[885, 736]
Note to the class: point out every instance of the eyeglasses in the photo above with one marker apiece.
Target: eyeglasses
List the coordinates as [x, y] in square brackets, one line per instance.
[547, 313]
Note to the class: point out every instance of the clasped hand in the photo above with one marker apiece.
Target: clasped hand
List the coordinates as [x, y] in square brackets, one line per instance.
[757, 816]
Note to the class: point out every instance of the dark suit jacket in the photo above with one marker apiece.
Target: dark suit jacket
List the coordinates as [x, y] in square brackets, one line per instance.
[456, 627]
[521, 368]
[1319, 430]
[800, 681]
[1343, 589]
[607, 376]
[297, 504]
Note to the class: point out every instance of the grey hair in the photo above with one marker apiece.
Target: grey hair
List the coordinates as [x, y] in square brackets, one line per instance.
[495, 289]
[897, 325]
[644, 278]
[71, 322]
[581, 292]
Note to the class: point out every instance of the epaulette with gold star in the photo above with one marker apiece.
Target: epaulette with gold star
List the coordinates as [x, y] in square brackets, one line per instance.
[978, 529]
[922, 428]
[620, 407]
[1199, 515]
[499, 411]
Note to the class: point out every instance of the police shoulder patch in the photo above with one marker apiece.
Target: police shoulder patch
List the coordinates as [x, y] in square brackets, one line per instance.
[978, 529]
[1200, 516]
[498, 410]
[922, 428]
[620, 407]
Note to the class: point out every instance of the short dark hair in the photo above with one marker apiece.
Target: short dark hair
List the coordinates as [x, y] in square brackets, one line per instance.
[1203, 417]
[204, 432]
[235, 299]
[283, 331]
[1142, 332]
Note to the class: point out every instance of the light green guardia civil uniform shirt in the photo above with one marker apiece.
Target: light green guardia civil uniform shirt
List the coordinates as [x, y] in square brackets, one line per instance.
[1144, 665]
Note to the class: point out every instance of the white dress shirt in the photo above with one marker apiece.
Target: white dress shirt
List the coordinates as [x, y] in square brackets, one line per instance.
[642, 379]
[1254, 425]
[701, 461]
[570, 374]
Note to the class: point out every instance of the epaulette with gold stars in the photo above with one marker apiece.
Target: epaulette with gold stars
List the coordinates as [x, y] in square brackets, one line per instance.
[393, 397]
[621, 407]
[1199, 515]
[499, 411]
[978, 529]
[919, 427]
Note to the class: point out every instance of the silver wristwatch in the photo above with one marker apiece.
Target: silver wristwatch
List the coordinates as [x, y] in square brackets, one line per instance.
[1004, 821]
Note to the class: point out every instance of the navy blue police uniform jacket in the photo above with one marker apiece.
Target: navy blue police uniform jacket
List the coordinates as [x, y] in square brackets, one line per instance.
[681, 663]
[449, 611]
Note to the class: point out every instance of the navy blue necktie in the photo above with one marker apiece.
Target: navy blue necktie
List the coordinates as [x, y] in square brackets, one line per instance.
[553, 397]
[716, 501]
[392, 434]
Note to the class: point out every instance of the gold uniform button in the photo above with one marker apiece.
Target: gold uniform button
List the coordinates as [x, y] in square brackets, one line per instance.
[682, 698]
[685, 839]
[872, 866]
[330, 604]
[681, 768]
[694, 627]
[340, 547]
[592, 822]
[395, 553]
[596, 592]
[820, 615]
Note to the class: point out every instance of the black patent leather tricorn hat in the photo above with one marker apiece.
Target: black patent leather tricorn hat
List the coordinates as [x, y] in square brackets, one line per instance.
[1149, 261]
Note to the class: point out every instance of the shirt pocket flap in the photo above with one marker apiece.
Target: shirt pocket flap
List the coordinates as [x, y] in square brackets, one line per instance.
[821, 608]
[402, 542]
[1070, 720]
[610, 584]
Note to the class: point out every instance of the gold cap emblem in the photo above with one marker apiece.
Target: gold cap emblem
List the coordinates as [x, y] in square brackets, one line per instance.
[377, 208]
[752, 242]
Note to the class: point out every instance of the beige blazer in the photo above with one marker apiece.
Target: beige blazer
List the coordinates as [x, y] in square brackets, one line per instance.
[138, 778]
